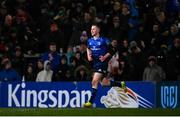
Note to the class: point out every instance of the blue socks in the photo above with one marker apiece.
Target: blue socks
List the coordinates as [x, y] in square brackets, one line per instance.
[93, 95]
[114, 83]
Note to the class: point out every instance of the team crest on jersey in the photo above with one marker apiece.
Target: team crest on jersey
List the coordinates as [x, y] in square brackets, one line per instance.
[98, 43]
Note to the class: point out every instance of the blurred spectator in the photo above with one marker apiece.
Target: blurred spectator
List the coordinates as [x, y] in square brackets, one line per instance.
[8, 74]
[25, 29]
[173, 62]
[62, 69]
[137, 61]
[124, 19]
[155, 39]
[53, 56]
[3, 12]
[133, 28]
[123, 48]
[162, 57]
[45, 75]
[76, 41]
[2, 46]
[115, 31]
[29, 74]
[54, 34]
[18, 61]
[113, 65]
[87, 21]
[81, 73]
[174, 32]
[153, 72]
[69, 54]
[143, 38]
[68, 76]
[73, 65]
[133, 7]
[80, 60]
[39, 66]
[125, 71]
[116, 8]
[83, 52]
[164, 26]
[84, 37]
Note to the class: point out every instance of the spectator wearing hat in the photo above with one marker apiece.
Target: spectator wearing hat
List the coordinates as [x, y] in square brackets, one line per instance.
[8, 74]
[153, 72]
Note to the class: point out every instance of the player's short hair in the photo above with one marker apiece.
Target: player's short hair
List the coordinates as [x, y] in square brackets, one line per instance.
[97, 25]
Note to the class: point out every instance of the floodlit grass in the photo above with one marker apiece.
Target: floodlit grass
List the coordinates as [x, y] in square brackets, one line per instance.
[87, 112]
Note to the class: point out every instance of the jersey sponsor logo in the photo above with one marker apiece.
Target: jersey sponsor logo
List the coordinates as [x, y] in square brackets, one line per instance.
[99, 43]
[95, 48]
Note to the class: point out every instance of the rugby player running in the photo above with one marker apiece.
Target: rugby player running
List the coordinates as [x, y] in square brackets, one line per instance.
[99, 53]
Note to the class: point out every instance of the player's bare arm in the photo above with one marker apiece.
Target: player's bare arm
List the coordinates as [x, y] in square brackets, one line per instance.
[103, 58]
[89, 55]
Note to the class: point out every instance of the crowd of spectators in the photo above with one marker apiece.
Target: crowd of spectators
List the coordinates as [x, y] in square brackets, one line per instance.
[45, 40]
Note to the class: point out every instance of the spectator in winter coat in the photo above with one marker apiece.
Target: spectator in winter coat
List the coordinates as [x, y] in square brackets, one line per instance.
[45, 75]
[8, 74]
[153, 72]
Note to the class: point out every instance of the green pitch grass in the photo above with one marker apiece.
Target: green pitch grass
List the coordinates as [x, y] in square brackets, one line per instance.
[87, 112]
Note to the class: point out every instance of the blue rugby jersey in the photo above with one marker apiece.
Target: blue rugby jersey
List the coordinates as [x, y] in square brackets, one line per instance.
[99, 46]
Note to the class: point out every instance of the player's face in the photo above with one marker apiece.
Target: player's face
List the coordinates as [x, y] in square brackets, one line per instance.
[94, 31]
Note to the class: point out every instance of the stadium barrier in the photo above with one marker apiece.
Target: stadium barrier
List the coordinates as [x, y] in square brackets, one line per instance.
[75, 94]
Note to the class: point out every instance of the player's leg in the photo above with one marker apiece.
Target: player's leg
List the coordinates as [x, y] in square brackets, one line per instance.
[107, 81]
[110, 82]
[96, 79]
